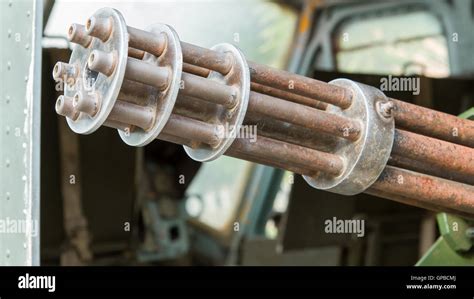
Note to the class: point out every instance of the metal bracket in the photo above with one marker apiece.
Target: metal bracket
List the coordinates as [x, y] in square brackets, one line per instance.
[453, 246]
[165, 238]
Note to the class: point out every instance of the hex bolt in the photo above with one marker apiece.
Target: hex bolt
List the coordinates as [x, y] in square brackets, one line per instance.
[64, 106]
[102, 62]
[385, 108]
[77, 34]
[99, 27]
[65, 71]
[86, 102]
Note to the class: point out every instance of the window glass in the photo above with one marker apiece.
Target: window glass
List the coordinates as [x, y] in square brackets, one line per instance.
[405, 44]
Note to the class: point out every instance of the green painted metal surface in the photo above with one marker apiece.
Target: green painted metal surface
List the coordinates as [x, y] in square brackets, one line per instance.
[469, 114]
[20, 80]
[453, 229]
[441, 254]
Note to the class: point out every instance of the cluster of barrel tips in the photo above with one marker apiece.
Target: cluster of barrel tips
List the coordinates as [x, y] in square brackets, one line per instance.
[149, 84]
[89, 102]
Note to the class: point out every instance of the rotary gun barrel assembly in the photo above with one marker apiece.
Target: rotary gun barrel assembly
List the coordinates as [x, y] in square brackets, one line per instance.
[342, 136]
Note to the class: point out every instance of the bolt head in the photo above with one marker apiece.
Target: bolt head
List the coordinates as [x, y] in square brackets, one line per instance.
[385, 108]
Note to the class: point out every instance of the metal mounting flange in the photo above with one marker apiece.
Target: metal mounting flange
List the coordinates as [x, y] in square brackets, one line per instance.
[366, 157]
[93, 89]
[161, 103]
[228, 121]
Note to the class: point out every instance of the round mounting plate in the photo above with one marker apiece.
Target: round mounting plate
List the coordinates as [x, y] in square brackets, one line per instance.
[160, 102]
[107, 87]
[231, 120]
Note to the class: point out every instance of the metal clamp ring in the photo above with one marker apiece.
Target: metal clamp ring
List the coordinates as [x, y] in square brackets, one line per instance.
[365, 158]
[239, 77]
[161, 103]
